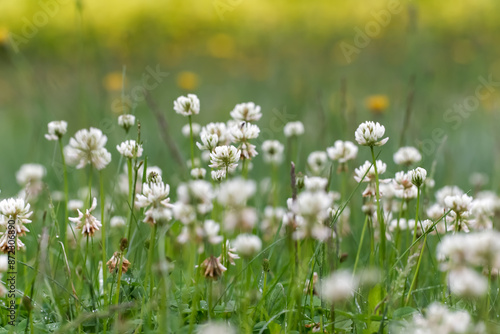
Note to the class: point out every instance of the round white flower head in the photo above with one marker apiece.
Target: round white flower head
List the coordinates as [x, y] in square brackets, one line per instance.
[273, 151]
[458, 203]
[219, 129]
[293, 129]
[339, 286]
[30, 173]
[87, 147]
[211, 232]
[187, 106]
[315, 183]
[407, 156]
[243, 132]
[466, 282]
[155, 197]
[130, 149]
[225, 157]
[215, 328]
[316, 161]
[368, 169]
[247, 245]
[218, 175]
[313, 206]
[370, 133]
[17, 210]
[236, 192]
[209, 141]
[417, 176]
[246, 112]
[56, 129]
[186, 130]
[438, 319]
[87, 223]
[75, 204]
[198, 173]
[446, 191]
[117, 221]
[126, 121]
[342, 151]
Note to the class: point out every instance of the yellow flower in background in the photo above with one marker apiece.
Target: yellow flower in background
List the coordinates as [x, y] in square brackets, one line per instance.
[187, 80]
[221, 46]
[4, 35]
[377, 103]
[113, 81]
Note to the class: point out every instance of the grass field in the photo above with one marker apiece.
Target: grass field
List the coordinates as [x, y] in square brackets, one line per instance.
[428, 72]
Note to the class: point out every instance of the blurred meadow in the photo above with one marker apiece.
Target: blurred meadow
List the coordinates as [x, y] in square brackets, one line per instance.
[65, 59]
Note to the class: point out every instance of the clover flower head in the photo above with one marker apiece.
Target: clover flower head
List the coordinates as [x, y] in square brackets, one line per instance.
[342, 151]
[246, 112]
[87, 147]
[126, 121]
[87, 222]
[370, 133]
[187, 105]
[56, 129]
[407, 156]
[130, 149]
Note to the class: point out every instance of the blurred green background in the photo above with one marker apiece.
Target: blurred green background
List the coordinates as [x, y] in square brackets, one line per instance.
[65, 59]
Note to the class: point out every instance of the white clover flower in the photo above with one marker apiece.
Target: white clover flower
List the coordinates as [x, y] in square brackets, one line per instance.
[293, 129]
[130, 149]
[230, 253]
[313, 206]
[225, 157]
[56, 130]
[466, 282]
[87, 223]
[75, 204]
[438, 319]
[246, 112]
[155, 197]
[236, 192]
[402, 180]
[208, 141]
[19, 211]
[243, 132]
[458, 203]
[370, 133]
[30, 174]
[187, 106]
[198, 173]
[126, 121]
[198, 193]
[186, 130]
[342, 151]
[6, 245]
[211, 230]
[215, 328]
[117, 221]
[219, 129]
[315, 183]
[417, 176]
[87, 147]
[243, 218]
[446, 191]
[273, 151]
[339, 286]
[218, 175]
[407, 156]
[369, 170]
[248, 151]
[317, 161]
[247, 245]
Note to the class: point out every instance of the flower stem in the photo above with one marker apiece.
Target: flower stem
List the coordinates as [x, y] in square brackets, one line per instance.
[414, 281]
[103, 236]
[150, 260]
[416, 217]
[191, 140]
[380, 219]
[66, 192]
[360, 245]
